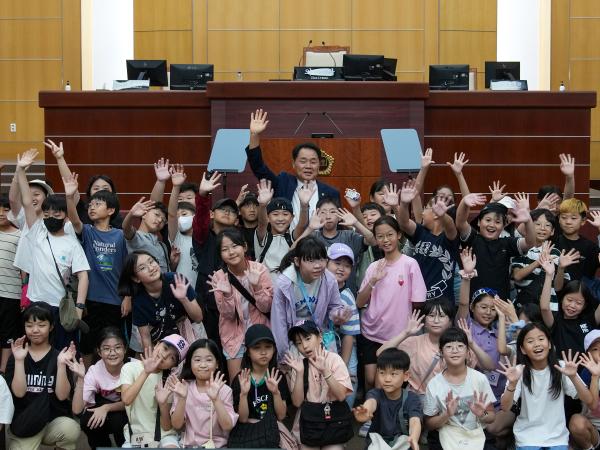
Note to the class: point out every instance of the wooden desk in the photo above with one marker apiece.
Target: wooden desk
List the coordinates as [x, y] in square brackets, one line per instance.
[515, 137]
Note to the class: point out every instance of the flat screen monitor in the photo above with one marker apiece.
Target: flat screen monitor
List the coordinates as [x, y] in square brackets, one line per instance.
[363, 67]
[499, 70]
[451, 77]
[154, 70]
[191, 77]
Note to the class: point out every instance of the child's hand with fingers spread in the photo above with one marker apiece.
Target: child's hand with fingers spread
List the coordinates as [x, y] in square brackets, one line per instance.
[511, 370]
[415, 323]
[497, 191]
[459, 163]
[571, 363]
[472, 200]
[244, 380]
[468, 260]
[427, 158]
[391, 195]
[217, 381]
[178, 175]
[570, 258]
[161, 170]
[587, 360]
[273, 379]
[409, 191]
[208, 185]
[294, 362]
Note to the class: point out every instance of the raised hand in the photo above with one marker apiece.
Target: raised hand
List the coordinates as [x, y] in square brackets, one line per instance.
[150, 360]
[66, 354]
[409, 191]
[315, 222]
[177, 386]
[57, 150]
[505, 308]
[362, 414]
[567, 259]
[463, 325]
[258, 121]
[546, 263]
[479, 404]
[472, 200]
[70, 184]
[141, 207]
[98, 418]
[317, 360]
[273, 379]
[379, 273]
[244, 380]
[26, 159]
[305, 192]
[427, 158]
[295, 362]
[571, 363]
[175, 255]
[242, 195]
[587, 360]
[253, 274]
[20, 348]
[161, 392]
[391, 196]
[511, 370]
[497, 191]
[567, 165]
[441, 206]
[522, 200]
[415, 323]
[264, 192]
[180, 288]
[550, 201]
[595, 221]
[178, 175]
[77, 367]
[451, 403]
[208, 185]
[459, 163]
[347, 219]
[353, 203]
[216, 382]
[468, 259]
[161, 169]
[519, 215]
[219, 283]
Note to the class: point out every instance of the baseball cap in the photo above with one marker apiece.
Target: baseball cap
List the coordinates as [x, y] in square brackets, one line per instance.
[179, 343]
[257, 333]
[590, 338]
[305, 326]
[280, 204]
[249, 198]
[508, 201]
[226, 202]
[494, 207]
[42, 185]
[339, 250]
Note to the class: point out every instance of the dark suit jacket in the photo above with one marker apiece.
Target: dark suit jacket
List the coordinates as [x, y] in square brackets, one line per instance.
[284, 184]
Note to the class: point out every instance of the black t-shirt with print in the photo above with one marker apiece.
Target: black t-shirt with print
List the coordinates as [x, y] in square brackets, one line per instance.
[570, 333]
[260, 398]
[493, 261]
[40, 402]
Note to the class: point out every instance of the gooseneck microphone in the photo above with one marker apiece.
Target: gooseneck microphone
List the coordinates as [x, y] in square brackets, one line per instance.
[302, 54]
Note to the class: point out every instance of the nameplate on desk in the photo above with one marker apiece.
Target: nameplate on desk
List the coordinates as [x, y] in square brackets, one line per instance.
[125, 85]
[508, 85]
[318, 73]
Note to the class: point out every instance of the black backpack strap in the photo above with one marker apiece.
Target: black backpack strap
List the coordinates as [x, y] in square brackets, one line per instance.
[288, 238]
[305, 380]
[242, 290]
[261, 258]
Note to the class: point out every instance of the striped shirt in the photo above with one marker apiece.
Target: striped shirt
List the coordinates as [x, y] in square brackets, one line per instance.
[352, 325]
[10, 280]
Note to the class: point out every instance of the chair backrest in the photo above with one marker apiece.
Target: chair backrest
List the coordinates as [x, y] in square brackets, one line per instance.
[324, 55]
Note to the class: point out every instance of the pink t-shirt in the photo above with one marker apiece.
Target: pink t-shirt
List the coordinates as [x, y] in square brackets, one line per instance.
[198, 416]
[98, 381]
[391, 299]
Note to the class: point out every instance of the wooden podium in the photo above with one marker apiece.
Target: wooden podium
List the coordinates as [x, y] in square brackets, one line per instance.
[512, 136]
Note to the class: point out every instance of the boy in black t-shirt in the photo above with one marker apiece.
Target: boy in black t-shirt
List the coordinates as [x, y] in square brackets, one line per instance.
[393, 410]
[493, 252]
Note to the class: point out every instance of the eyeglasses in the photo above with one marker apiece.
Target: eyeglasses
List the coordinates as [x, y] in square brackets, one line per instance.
[146, 267]
[543, 226]
[455, 347]
[383, 237]
[115, 349]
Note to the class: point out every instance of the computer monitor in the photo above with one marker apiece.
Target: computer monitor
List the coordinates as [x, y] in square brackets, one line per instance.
[191, 77]
[363, 67]
[154, 70]
[451, 77]
[498, 70]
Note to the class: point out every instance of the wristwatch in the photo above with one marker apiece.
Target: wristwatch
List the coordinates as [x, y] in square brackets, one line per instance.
[80, 305]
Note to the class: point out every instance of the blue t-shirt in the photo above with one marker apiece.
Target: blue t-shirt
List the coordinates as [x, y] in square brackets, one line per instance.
[436, 256]
[162, 313]
[105, 252]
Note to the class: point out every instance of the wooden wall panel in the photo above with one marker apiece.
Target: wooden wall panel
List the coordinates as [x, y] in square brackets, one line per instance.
[315, 14]
[199, 32]
[294, 41]
[585, 8]
[174, 46]
[40, 48]
[255, 51]
[472, 15]
[243, 15]
[388, 14]
[474, 48]
[166, 15]
[585, 35]
[406, 46]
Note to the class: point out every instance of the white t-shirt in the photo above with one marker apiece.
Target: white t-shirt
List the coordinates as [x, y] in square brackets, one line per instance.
[438, 388]
[44, 284]
[7, 408]
[277, 250]
[542, 420]
[188, 263]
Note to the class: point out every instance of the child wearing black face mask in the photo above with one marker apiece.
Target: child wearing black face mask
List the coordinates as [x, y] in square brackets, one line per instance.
[50, 251]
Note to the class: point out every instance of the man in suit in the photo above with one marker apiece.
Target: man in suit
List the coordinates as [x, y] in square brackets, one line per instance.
[305, 161]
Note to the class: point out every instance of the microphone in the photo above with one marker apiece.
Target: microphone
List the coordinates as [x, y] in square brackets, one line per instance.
[306, 115]
[334, 63]
[332, 122]
[302, 55]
